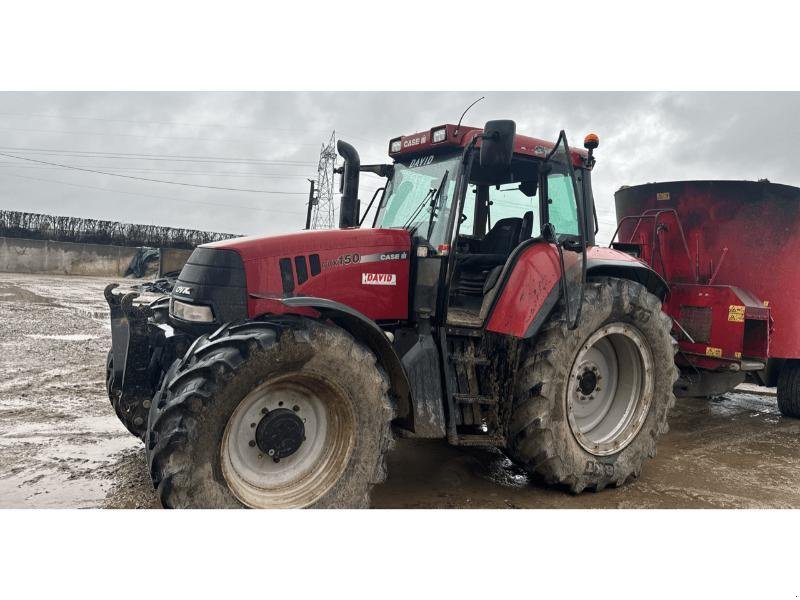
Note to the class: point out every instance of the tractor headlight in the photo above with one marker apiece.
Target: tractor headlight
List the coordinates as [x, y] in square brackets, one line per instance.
[192, 312]
[438, 135]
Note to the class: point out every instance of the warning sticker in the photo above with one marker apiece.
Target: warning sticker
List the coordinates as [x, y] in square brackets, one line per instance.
[737, 354]
[736, 313]
[662, 196]
[713, 351]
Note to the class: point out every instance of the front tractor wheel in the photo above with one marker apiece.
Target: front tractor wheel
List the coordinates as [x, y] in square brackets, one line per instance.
[288, 414]
[591, 403]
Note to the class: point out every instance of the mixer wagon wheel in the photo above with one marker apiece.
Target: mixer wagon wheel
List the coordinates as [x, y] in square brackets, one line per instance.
[290, 413]
[590, 404]
[789, 389]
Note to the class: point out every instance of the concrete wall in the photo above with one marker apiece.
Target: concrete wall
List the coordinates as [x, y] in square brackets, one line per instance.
[19, 255]
[173, 259]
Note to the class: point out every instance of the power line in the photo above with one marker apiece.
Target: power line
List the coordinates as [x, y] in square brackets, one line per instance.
[172, 123]
[250, 174]
[197, 185]
[179, 124]
[138, 135]
[169, 157]
[104, 189]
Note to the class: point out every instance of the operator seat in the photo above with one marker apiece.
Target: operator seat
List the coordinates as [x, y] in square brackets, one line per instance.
[476, 270]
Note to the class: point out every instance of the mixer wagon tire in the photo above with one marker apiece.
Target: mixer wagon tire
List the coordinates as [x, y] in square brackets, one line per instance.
[290, 413]
[590, 404]
[789, 389]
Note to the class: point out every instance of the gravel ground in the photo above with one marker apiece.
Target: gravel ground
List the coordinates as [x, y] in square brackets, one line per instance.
[62, 446]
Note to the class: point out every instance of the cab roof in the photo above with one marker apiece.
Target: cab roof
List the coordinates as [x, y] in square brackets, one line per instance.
[452, 136]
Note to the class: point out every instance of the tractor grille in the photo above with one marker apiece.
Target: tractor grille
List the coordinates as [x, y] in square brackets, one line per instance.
[214, 277]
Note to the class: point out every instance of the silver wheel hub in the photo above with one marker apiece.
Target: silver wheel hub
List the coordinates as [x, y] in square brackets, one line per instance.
[286, 443]
[610, 389]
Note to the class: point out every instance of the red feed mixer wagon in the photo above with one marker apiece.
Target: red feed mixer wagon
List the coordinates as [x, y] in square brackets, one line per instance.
[730, 252]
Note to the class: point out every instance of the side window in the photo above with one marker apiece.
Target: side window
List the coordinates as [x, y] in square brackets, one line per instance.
[562, 207]
[509, 201]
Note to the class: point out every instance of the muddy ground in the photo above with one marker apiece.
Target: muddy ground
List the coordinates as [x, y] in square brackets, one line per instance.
[62, 446]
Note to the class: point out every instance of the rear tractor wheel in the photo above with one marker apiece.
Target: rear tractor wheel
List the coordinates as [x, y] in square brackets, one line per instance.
[288, 414]
[591, 403]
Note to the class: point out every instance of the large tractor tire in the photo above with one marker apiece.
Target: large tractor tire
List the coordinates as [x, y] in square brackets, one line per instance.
[282, 414]
[590, 404]
[789, 389]
[133, 415]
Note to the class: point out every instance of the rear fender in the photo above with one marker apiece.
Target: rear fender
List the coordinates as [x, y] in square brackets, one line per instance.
[366, 331]
[532, 288]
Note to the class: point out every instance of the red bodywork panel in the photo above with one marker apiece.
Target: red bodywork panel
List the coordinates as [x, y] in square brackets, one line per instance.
[741, 235]
[534, 278]
[719, 322]
[421, 143]
[365, 269]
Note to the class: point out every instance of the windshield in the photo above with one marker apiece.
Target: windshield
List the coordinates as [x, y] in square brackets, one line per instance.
[419, 198]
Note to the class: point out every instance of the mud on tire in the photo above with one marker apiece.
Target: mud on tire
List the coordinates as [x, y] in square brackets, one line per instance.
[540, 435]
[189, 451]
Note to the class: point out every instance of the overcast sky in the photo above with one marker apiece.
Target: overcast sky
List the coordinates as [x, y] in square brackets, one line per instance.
[270, 141]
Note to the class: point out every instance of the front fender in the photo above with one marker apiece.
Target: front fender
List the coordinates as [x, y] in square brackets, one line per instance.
[366, 331]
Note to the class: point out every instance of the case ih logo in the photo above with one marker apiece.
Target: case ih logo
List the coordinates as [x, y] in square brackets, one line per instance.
[378, 279]
[186, 291]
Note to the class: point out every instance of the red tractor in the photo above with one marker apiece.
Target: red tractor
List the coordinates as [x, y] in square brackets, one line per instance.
[476, 308]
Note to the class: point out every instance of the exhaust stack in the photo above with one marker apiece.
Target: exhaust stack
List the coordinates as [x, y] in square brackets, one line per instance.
[350, 206]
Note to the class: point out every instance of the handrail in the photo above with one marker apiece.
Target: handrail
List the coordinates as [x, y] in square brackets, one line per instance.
[655, 214]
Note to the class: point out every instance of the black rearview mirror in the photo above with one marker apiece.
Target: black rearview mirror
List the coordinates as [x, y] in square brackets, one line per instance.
[497, 144]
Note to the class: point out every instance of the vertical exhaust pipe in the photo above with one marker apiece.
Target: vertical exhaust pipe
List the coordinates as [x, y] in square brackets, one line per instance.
[350, 206]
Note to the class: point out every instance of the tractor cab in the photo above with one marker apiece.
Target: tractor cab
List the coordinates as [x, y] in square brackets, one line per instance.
[470, 200]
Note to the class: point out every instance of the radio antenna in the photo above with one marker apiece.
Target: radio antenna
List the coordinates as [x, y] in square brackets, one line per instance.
[465, 112]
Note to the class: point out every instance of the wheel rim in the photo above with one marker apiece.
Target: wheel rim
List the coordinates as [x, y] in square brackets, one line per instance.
[610, 389]
[287, 443]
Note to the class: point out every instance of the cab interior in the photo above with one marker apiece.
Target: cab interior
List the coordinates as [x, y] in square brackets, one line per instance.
[501, 211]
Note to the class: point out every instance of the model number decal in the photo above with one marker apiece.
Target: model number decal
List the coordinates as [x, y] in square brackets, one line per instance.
[340, 261]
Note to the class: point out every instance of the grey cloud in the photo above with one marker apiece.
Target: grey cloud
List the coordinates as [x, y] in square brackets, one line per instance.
[645, 136]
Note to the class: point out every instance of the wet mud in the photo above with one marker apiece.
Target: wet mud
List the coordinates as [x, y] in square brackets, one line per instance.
[62, 446]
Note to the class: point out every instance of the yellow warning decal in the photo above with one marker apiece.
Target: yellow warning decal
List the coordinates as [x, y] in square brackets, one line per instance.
[662, 196]
[736, 313]
[766, 302]
[713, 351]
[737, 354]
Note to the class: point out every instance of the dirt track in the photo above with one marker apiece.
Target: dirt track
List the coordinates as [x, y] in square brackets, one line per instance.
[62, 446]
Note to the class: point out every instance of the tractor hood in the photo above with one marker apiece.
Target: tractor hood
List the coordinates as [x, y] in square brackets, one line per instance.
[365, 269]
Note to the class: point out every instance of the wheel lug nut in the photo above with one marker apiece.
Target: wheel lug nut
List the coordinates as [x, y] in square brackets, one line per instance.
[264, 410]
[296, 408]
[252, 424]
[271, 452]
[252, 443]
